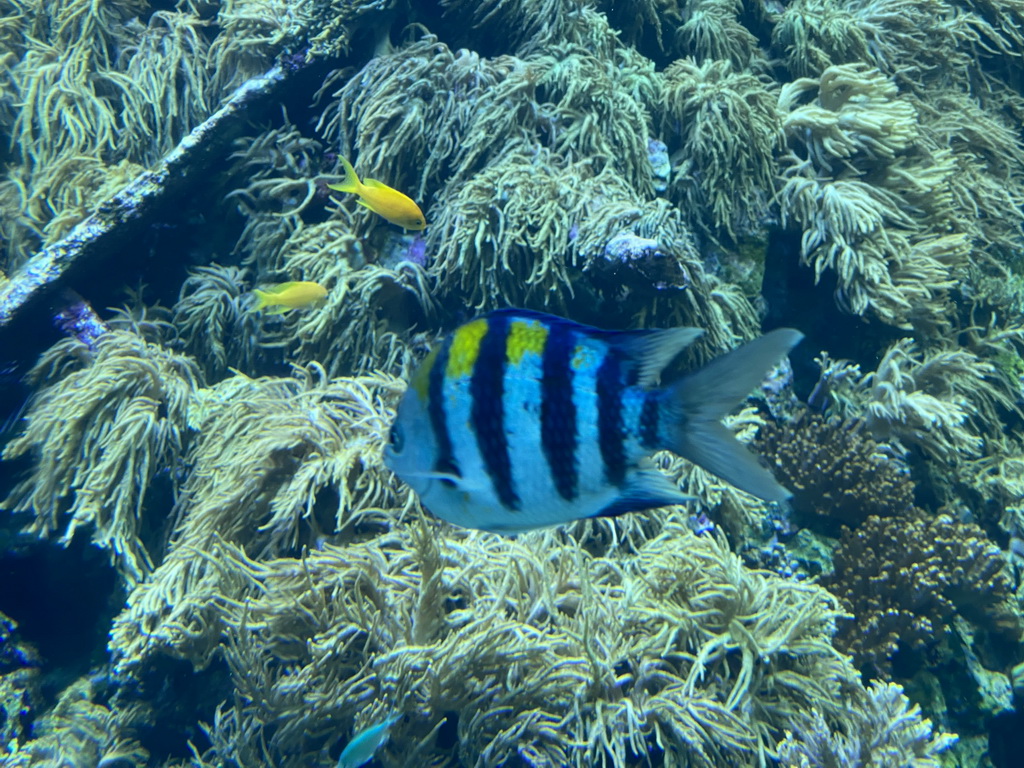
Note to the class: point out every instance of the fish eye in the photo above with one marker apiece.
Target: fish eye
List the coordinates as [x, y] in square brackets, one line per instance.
[397, 438]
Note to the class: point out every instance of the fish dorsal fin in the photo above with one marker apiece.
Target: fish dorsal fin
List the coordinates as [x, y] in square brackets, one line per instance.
[375, 184]
[650, 351]
[281, 287]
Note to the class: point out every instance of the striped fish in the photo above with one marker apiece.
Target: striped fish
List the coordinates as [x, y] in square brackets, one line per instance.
[521, 420]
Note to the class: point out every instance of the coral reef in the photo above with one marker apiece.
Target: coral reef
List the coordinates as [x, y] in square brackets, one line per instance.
[730, 132]
[838, 474]
[904, 579]
[301, 456]
[884, 730]
[19, 683]
[408, 624]
[79, 731]
[104, 426]
[622, 163]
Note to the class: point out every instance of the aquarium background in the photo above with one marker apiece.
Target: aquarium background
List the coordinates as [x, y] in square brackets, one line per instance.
[204, 561]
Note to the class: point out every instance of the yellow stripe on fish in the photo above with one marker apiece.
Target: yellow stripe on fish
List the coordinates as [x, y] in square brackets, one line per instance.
[465, 348]
[525, 336]
[421, 378]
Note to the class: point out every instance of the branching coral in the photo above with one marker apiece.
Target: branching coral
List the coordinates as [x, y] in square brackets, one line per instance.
[838, 475]
[101, 432]
[904, 579]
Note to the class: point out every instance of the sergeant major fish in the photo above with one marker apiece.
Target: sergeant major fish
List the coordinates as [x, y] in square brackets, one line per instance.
[521, 420]
[394, 206]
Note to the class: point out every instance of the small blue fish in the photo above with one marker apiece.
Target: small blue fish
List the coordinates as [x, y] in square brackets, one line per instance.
[521, 420]
[364, 745]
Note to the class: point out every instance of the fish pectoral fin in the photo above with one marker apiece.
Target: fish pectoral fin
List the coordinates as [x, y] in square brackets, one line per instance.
[644, 489]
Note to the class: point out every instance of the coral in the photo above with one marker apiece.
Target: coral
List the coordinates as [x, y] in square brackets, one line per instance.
[170, 89]
[578, 106]
[904, 579]
[567, 157]
[884, 730]
[103, 427]
[278, 192]
[561, 659]
[942, 402]
[916, 41]
[986, 188]
[712, 31]
[729, 132]
[357, 330]
[276, 464]
[860, 182]
[838, 474]
[213, 321]
[19, 686]
[506, 236]
[81, 732]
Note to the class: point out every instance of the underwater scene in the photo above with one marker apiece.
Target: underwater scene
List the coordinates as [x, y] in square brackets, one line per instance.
[471, 383]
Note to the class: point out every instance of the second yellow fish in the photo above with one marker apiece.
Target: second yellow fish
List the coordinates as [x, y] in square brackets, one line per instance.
[286, 296]
[380, 198]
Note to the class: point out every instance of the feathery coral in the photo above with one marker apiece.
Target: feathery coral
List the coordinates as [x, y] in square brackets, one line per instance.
[101, 431]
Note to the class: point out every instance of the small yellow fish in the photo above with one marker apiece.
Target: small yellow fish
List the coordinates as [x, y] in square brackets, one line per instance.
[380, 198]
[286, 296]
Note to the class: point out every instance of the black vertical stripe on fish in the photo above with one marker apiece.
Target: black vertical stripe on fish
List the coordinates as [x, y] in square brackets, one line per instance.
[610, 429]
[558, 429]
[649, 419]
[487, 393]
[438, 418]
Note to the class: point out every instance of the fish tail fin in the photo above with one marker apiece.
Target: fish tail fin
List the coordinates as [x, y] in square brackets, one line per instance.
[263, 299]
[696, 404]
[351, 182]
